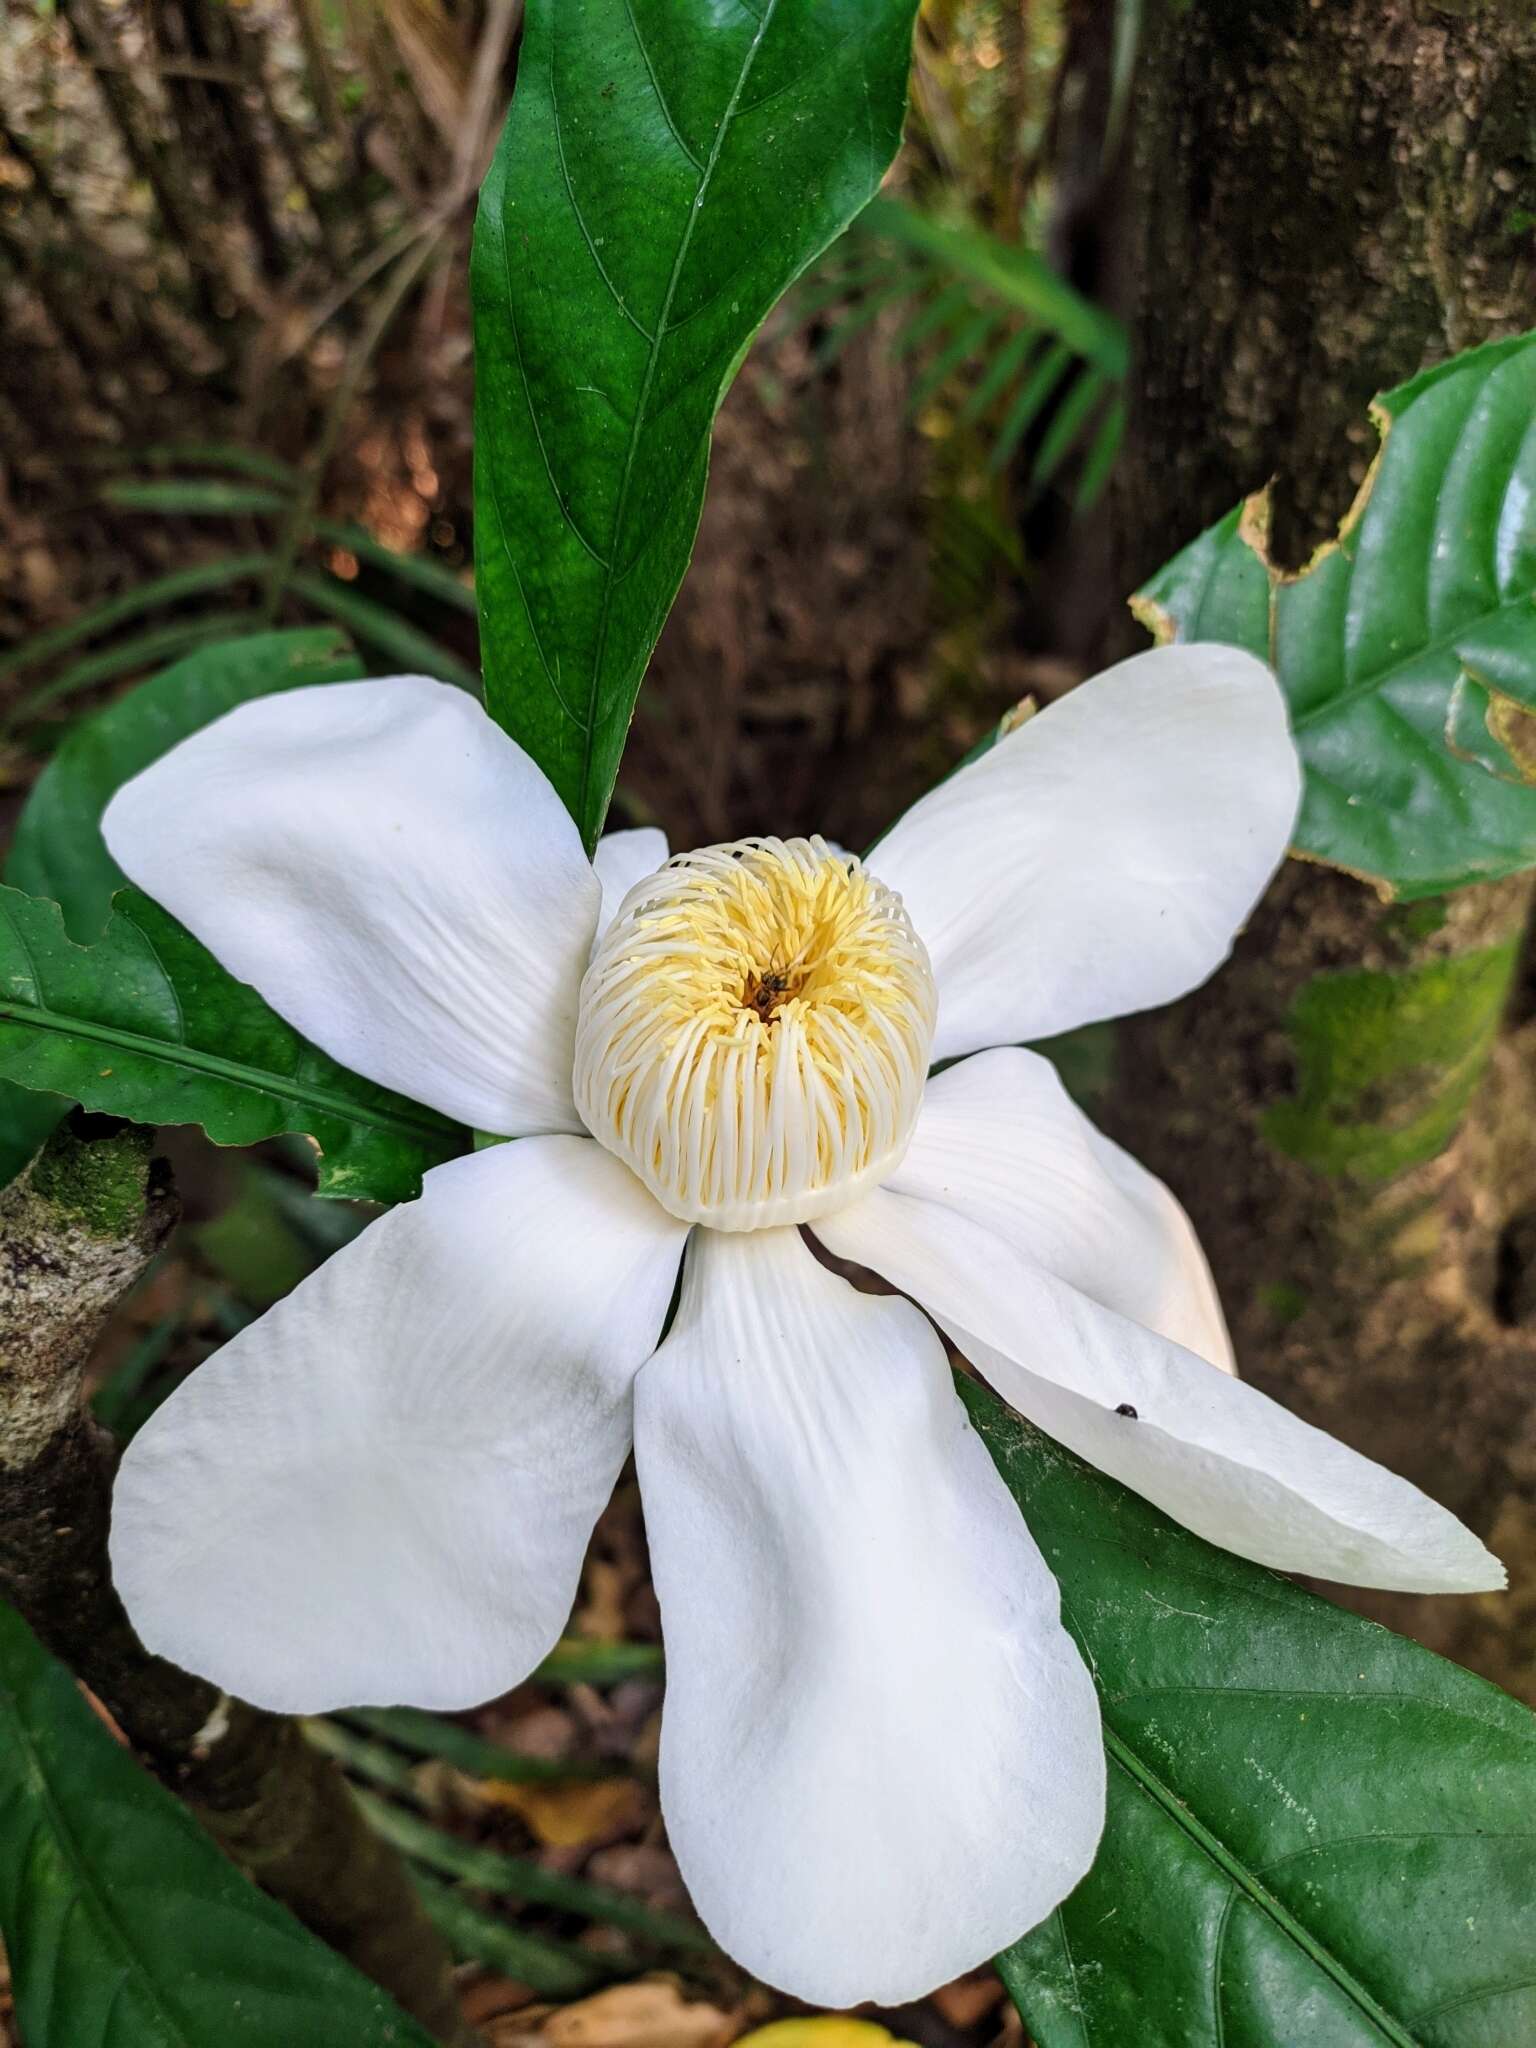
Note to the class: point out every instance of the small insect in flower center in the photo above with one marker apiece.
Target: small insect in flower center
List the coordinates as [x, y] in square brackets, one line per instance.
[764, 992]
[754, 1032]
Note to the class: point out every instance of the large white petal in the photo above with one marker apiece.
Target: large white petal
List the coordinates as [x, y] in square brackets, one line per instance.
[1102, 858]
[394, 875]
[621, 860]
[1216, 1455]
[999, 1140]
[382, 1490]
[880, 1753]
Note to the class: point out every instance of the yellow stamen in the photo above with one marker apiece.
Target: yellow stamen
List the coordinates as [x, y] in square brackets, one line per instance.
[754, 1032]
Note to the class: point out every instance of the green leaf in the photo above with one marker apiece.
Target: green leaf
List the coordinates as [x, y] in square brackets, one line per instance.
[192, 496]
[1028, 402]
[422, 572]
[667, 170]
[145, 1024]
[1017, 276]
[123, 1923]
[1317, 1831]
[139, 651]
[518, 1877]
[231, 455]
[58, 849]
[476, 1936]
[1068, 422]
[375, 626]
[25, 1121]
[1393, 640]
[172, 588]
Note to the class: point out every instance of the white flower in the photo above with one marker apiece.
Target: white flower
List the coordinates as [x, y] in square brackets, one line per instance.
[881, 1759]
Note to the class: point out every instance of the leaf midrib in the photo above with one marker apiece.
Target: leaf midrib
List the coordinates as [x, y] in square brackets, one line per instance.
[1245, 1883]
[610, 572]
[38, 1017]
[1442, 643]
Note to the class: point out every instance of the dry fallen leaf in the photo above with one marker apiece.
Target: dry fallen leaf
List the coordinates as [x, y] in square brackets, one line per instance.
[650, 2014]
[969, 1999]
[567, 1816]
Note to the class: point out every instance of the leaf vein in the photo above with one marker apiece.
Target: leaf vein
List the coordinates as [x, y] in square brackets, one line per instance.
[533, 420]
[1246, 1883]
[661, 98]
[570, 192]
[626, 476]
[37, 1017]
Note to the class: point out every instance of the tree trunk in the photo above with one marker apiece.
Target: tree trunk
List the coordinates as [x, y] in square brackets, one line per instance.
[1328, 197]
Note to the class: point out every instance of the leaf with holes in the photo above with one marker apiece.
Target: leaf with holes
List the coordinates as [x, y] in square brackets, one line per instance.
[123, 1923]
[1407, 648]
[668, 168]
[145, 1024]
[1317, 1832]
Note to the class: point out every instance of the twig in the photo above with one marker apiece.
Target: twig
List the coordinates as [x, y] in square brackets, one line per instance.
[78, 1229]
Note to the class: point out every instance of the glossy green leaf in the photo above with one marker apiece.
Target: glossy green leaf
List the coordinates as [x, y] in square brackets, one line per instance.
[58, 849]
[1318, 1832]
[1404, 647]
[124, 1925]
[668, 168]
[145, 1024]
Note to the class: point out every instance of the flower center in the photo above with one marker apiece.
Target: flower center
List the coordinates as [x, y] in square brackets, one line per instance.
[754, 1032]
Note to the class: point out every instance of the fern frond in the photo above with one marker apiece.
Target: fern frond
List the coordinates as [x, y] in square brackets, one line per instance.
[1021, 356]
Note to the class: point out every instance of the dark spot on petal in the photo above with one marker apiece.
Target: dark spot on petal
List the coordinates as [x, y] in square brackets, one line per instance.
[1125, 1408]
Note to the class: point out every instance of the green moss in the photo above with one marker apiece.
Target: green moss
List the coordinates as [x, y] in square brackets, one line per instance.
[100, 1183]
[1386, 1063]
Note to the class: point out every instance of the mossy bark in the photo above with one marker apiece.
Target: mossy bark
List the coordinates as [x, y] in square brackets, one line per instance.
[1328, 197]
[76, 1231]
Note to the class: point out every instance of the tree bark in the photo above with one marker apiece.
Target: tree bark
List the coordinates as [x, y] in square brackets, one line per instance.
[1327, 198]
